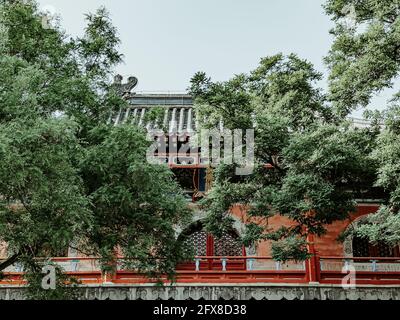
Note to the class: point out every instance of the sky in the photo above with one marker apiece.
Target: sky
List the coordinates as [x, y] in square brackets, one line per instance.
[164, 42]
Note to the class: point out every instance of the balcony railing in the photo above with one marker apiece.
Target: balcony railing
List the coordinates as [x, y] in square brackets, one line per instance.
[366, 270]
[233, 270]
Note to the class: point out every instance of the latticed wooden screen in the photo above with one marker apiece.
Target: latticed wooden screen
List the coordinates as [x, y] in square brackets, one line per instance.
[197, 243]
[363, 248]
[200, 243]
[228, 245]
[384, 250]
[360, 247]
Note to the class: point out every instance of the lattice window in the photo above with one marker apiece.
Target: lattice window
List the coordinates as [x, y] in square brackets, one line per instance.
[200, 243]
[360, 247]
[196, 243]
[384, 250]
[228, 246]
[363, 248]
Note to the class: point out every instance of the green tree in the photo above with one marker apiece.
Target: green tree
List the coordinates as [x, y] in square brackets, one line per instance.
[364, 60]
[310, 164]
[385, 224]
[66, 176]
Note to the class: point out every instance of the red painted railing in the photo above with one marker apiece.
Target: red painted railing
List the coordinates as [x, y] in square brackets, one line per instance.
[368, 270]
[324, 270]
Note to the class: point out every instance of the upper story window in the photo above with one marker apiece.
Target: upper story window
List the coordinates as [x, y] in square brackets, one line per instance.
[194, 182]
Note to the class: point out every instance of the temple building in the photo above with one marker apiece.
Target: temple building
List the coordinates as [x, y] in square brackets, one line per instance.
[223, 268]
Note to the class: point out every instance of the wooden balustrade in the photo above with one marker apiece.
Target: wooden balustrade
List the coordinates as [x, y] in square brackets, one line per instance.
[324, 270]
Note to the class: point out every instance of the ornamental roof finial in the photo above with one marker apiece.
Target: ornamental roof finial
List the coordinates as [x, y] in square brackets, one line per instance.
[125, 89]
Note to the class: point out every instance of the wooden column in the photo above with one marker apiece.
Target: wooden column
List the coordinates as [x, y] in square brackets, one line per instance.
[313, 267]
[210, 251]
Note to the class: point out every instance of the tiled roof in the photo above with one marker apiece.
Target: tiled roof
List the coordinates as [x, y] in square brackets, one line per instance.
[179, 115]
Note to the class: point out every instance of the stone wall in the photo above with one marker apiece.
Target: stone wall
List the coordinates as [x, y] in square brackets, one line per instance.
[226, 292]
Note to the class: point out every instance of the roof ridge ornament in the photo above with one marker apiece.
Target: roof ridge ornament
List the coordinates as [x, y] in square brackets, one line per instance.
[125, 89]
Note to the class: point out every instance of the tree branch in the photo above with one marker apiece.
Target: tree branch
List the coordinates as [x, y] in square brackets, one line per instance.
[9, 262]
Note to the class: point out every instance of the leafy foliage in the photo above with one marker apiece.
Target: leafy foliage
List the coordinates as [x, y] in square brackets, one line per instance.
[68, 178]
[364, 60]
[66, 288]
[136, 205]
[310, 165]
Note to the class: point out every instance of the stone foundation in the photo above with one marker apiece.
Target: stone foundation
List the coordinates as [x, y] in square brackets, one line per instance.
[225, 292]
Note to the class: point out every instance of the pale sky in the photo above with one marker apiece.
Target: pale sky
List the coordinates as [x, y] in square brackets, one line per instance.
[165, 42]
